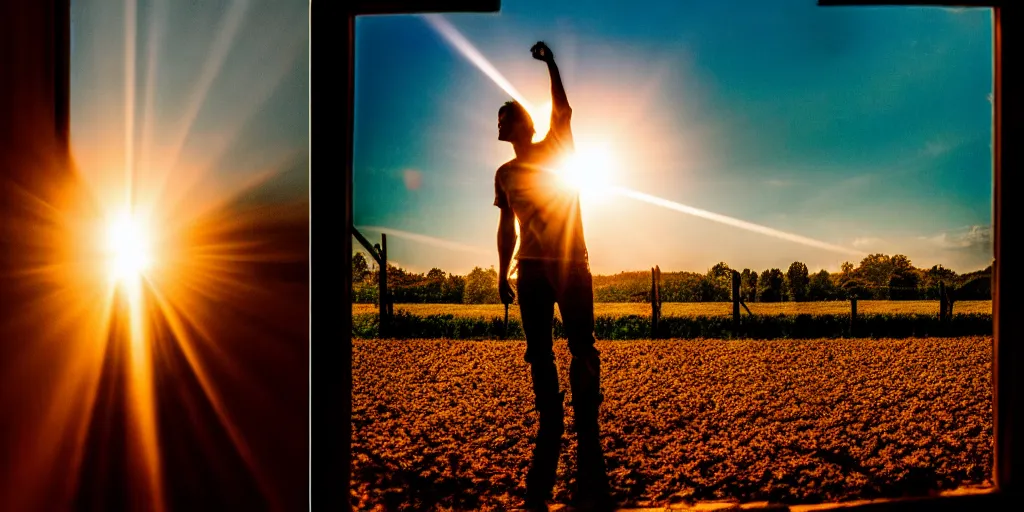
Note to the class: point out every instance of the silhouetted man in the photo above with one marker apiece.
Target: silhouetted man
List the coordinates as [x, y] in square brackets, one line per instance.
[553, 267]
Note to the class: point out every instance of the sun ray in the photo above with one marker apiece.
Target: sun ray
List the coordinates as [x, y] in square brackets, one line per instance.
[469, 51]
[68, 343]
[129, 97]
[156, 32]
[142, 395]
[177, 323]
[226, 36]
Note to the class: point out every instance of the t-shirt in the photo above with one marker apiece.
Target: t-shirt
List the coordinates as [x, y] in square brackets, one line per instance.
[550, 226]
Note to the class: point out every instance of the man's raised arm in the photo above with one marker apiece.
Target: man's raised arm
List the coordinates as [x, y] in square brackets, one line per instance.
[561, 112]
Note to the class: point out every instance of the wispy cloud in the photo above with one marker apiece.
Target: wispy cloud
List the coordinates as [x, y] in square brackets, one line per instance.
[963, 249]
[972, 238]
[428, 240]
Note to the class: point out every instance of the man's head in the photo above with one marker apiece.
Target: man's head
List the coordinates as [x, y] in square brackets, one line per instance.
[514, 123]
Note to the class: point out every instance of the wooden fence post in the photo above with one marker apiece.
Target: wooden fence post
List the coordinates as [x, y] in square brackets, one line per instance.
[735, 301]
[384, 277]
[942, 301]
[379, 253]
[853, 313]
[655, 300]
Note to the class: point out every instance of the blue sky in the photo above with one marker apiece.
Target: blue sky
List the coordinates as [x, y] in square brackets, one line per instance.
[866, 128]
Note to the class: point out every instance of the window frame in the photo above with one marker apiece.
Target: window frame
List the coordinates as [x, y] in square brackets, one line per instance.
[1008, 387]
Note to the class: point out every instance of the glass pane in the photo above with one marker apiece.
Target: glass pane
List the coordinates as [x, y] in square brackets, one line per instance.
[839, 160]
[189, 130]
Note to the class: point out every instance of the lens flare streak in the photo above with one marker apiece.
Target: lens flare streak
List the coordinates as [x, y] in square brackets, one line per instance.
[469, 51]
[731, 221]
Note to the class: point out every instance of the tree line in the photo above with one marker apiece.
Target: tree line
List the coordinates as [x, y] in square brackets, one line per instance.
[877, 276]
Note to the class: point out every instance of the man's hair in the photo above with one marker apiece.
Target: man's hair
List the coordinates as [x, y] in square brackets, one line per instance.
[517, 113]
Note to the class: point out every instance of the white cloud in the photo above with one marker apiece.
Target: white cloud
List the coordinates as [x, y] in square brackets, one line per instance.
[962, 249]
[971, 238]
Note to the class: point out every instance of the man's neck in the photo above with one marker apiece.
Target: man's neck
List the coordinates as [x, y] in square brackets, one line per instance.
[522, 148]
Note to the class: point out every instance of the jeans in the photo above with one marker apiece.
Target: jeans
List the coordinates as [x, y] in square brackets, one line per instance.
[541, 285]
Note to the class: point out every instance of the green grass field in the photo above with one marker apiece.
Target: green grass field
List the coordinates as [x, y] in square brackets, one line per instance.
[691, 309]
[446, 424]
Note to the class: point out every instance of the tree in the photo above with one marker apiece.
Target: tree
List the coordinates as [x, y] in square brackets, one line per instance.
[435, 274]
[875, 270]
[716, 286]
[978, 288]
[721, 269]
[481, 287]
[748, 285]
[398, 276]
[796, 281]
[931, 278]
[821, 287]
[453, 290]
[900, 263]
[845, 274]
[846, 269]
[360, 269]
[855, 288]
[903, 285]
[771, 284]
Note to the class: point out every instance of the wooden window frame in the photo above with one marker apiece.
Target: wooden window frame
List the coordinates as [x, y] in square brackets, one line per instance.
[1008, 387]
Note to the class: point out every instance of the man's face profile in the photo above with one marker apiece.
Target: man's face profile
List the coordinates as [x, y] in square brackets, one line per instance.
[503, 125]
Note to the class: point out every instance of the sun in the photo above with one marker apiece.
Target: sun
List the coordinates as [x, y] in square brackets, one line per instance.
[128, 247]
[590, 171]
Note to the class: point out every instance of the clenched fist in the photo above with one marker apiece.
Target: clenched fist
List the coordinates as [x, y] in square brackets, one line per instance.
[541, 51]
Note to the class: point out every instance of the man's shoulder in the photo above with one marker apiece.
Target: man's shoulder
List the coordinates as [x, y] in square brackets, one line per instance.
[505, 168]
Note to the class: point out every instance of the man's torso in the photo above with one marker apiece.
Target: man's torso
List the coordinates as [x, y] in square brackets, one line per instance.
[548, 211]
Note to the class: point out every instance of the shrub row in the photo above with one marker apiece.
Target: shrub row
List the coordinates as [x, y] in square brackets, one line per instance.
[627, 327]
